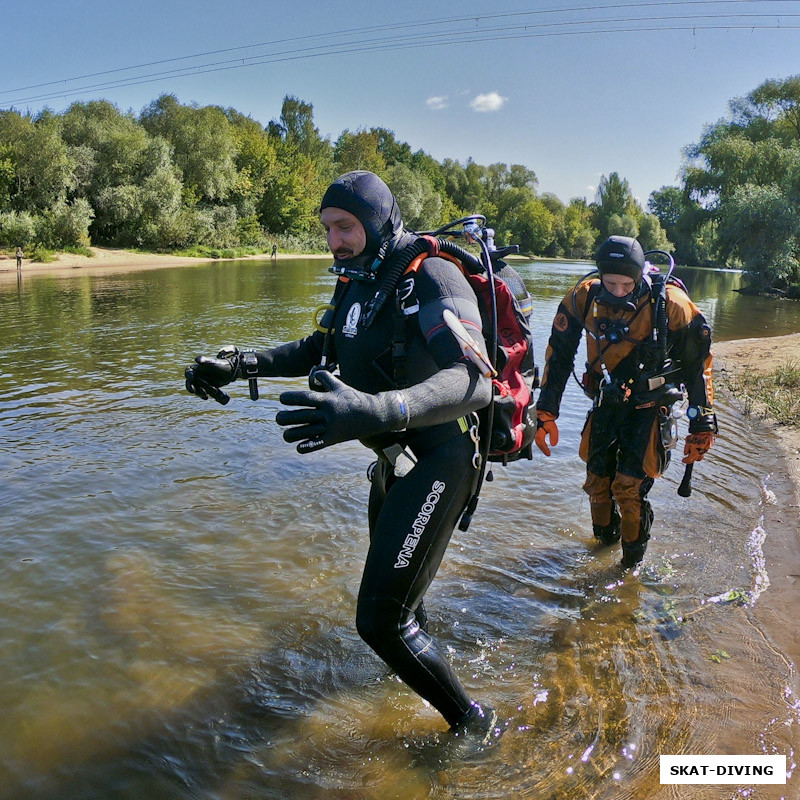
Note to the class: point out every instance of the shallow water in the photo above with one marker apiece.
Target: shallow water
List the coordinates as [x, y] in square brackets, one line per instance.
[179, 584]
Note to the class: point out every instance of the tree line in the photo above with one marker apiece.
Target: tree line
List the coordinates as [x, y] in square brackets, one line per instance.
[176, 177]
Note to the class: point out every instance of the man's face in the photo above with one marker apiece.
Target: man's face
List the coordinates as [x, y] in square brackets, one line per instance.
[618, 285]
[346, 235]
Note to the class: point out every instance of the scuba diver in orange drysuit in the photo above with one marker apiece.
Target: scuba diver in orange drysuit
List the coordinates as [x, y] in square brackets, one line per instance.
[647, 343]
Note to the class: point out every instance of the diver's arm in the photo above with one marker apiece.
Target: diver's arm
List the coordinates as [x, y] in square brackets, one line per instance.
[690, 341]
[340, 413]
[565, 337]
[449, 394]
[290, 360]
[458, 388]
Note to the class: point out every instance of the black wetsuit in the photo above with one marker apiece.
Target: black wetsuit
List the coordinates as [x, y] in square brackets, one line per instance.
[411, 518]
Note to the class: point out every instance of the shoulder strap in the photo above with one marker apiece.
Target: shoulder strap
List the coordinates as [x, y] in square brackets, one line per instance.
[400, 326]
[338, 294]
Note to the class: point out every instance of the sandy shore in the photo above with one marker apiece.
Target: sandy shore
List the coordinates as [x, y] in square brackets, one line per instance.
[761, 356]
[108, 260]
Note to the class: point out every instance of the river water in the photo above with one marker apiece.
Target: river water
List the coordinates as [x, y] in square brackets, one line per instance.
[179, 585]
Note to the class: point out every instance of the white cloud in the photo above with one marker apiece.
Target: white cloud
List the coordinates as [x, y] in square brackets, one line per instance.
[437, 102]
[590, 189]
[492, 101]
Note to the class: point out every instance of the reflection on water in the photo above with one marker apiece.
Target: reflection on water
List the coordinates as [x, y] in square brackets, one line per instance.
[179, 584]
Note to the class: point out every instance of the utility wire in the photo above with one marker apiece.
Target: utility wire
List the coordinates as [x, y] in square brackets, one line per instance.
[399, 26]
[437, 37]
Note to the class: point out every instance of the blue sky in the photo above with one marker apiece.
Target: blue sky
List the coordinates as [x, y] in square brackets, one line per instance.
[568, 103]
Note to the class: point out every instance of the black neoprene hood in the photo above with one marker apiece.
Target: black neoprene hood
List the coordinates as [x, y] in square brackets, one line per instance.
[370, 201]
[621, 255]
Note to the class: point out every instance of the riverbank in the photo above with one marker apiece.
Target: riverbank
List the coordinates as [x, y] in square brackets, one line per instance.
[762, 357]
[781, 553]
[107, 260]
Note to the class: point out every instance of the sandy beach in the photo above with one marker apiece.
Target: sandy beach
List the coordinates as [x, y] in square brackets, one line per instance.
[762, 356]
[108, 260]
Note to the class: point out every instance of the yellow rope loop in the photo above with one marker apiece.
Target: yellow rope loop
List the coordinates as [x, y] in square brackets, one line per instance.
[315, 316]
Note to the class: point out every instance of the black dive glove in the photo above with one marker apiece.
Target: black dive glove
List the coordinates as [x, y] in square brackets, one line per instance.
[214, 372]
[701, 420]
[338, 414]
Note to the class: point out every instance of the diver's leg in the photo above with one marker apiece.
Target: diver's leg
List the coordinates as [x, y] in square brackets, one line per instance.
[634, 479]
[381, 479]
[411, 534]
[599, 450]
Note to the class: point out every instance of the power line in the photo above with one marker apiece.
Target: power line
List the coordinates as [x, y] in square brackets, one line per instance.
[393, 26]
[439, 37]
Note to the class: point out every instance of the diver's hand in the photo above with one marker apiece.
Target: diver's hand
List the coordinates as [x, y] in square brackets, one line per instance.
[338, 414]
[696, 446]
[215, 372]
[546, 426]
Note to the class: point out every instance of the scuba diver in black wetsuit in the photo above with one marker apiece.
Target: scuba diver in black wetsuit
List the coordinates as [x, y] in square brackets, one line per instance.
[423, 433]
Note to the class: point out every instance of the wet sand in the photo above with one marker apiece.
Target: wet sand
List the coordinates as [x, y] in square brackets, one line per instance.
[761, 356]
[776, 608]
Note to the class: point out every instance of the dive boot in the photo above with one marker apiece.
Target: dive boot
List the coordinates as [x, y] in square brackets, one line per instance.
[479, 730]
[608, 534]
[633, 552]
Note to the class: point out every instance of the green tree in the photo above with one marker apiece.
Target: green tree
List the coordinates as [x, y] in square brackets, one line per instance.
[579, 234]
[651, 235]
[305, 168]
[107, 147]
[359, 150]
[418, 201]
[615, 207]
[526, 220]
[295, 128]
[37, 165]
[393, 151]
[256, 164]
[760, 227]
[203, 144]
[779, 100]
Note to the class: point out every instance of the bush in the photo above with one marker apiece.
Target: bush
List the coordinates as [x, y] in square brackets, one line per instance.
[309, 243]
[42, 255]
[17, 229]
[65, 225]
[249, 232]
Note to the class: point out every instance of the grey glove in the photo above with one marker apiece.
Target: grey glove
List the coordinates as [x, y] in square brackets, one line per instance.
[339, 414]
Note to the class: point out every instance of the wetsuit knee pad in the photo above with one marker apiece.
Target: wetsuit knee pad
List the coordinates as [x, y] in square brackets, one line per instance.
[629, 492]
[603, 509]
[383, 624]
[597, 487]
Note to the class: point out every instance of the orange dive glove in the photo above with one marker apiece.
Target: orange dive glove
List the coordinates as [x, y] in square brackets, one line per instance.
[695, 447]
[546, 426]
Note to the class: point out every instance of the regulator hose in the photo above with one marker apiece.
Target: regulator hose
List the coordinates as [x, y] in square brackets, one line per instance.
[399, 263]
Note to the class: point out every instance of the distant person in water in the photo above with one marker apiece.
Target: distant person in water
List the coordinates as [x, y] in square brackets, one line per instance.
[274, 251]
[20, 256]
